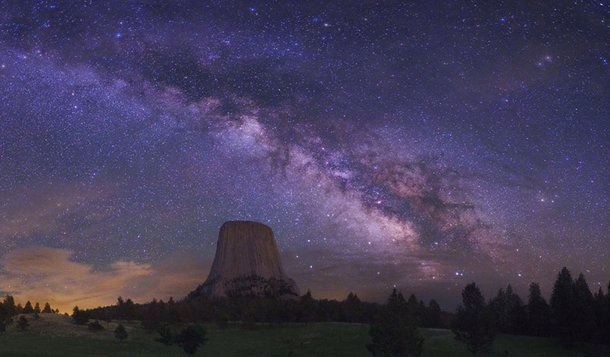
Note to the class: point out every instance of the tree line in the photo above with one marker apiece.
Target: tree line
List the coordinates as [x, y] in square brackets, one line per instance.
[248, 310]
[574, 316]
[8, 310]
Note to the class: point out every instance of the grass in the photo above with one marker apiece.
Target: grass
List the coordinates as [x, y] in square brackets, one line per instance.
[56, 335]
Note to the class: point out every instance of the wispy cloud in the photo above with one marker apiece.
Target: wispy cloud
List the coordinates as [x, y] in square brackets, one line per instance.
[50, 274]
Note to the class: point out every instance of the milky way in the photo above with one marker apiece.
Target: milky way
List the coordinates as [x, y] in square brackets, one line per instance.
[422, 146]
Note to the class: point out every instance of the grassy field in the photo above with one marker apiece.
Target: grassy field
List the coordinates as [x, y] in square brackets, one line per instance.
[55, 335]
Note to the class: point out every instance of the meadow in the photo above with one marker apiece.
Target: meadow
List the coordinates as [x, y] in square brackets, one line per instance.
[56, 335]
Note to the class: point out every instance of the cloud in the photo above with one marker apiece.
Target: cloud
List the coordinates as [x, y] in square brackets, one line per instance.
[49, 274]
[37, 208]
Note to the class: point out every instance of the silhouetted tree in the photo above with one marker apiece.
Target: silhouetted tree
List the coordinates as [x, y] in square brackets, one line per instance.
[394, 330]
[413, 308]
[28, 309]
[509, 312]
[190, 338]
[165, 336]
[19, 308]
[602, 317]
[583, 310]
[353, 308]
[432, 317]
[562, 308]
[473, 323]
[4, 315]
[79, 317]
[151, 321]
[538, 312]
[308, 309]
[120, 333]
[22, 323]
[47, 309]
[9, 305]
[172, 311]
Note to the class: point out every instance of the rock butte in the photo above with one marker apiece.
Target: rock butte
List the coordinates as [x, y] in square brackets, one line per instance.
[247, 263]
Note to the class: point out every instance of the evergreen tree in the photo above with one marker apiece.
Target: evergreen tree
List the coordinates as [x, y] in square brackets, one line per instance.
[432, 315]
[172, 311]
[353, 309]
[9, 305]
[28, 309]
[190, 338]
[538, 312]
[5, 317]
[37, 308]
[413, 308]
[394, 331]
[79, 316]
[308, 309]
[583, 310]
[120, 333]
[47, 308]
[473, 323]
[129, 310]
[151, 321]
[509, 312]
[562, 308]
[602, 324]
[19, 309]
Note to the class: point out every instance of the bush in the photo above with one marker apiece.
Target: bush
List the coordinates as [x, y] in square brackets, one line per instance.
[120, 333]
[95, 326]
[190, 338]
[22, 323]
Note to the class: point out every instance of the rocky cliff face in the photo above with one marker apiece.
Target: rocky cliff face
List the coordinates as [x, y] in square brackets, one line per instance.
[247, 263]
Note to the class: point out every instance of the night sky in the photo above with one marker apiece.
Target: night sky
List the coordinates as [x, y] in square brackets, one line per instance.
[418, 145]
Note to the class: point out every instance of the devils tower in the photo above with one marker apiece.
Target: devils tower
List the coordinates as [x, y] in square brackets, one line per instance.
[247, 263]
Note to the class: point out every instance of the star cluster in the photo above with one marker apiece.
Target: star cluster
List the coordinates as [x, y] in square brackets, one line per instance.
[421, 145]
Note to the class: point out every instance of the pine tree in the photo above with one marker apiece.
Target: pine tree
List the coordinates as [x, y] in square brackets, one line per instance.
[602, 323]
[432, 315]
[509, 312]
[353, 308]
[28, 309]
[9, 305]
[37, 308]
[4, 315]
[47, 308]
[562, 308]
[583, 309]
[190, 338]
[151, 320]
[473, 323]
[538, 312]
[172, 311]
[394, 331]
[79, 316]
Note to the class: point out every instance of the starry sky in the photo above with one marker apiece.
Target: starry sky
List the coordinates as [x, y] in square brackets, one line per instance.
[422, 145]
